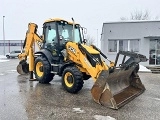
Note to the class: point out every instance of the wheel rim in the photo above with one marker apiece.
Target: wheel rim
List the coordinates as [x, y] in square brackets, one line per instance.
[38, 71]
[68, 79]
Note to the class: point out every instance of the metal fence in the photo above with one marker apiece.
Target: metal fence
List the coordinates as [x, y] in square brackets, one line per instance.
[7, 46]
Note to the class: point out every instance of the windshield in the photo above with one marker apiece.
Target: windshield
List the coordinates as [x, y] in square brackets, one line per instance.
[66, 31]
[60, 32]
[50, 33]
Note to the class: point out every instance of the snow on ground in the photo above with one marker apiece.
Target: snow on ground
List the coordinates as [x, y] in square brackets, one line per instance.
[143, 69]
[78, 110]
[2, 58]
[100, 117]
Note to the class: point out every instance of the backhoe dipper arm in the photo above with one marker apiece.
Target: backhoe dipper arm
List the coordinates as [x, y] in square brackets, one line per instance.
[31, 38]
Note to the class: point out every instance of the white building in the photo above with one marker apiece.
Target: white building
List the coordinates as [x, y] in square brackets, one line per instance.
[7, 46]
[138, 36]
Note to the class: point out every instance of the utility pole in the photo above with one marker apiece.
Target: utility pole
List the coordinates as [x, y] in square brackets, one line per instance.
[3, 35]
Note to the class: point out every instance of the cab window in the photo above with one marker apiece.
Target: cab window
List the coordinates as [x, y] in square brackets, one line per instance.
[51, 36]
[50, 33]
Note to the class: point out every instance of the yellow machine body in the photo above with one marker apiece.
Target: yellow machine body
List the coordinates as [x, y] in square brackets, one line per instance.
[76, 61]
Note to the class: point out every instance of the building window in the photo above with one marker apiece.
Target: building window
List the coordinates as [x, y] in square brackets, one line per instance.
[134, 45]
[123, 45]
[112, 46]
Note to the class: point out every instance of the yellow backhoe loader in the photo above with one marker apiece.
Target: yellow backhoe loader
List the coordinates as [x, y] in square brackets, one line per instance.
[63, 52]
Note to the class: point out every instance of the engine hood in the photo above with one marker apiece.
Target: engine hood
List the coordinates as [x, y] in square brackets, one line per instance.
[90, 49]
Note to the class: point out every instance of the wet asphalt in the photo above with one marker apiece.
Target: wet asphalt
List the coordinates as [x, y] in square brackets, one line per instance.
[21, 99]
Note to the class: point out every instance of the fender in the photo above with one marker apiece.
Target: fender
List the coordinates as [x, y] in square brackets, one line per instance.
[63, 66]
[52, 58]
[48, 55]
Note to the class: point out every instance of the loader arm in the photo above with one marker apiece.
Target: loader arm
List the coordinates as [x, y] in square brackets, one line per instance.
[31, 38]
[111, 88]
[86, 61]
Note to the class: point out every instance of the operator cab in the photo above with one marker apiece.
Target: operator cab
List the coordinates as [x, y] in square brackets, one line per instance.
[57, 32]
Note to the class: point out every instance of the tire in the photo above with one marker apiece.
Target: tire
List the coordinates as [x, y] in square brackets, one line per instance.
[85, 76]
[7, 56]
[72, 79]
[42, 70]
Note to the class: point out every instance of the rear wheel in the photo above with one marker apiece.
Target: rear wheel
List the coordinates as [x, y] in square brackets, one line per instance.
[43, 70]
[72, 79]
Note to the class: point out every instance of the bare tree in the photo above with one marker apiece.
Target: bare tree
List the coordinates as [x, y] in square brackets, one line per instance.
[140, 15]
[157, 18]
[90, 40]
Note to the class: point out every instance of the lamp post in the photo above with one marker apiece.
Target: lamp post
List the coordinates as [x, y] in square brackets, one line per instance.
[3, 35]
[97, 38]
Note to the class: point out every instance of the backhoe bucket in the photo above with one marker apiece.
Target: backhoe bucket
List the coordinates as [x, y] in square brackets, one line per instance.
[120, 86]
[23, 67]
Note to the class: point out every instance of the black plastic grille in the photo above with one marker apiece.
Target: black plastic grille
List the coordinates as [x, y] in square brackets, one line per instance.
[95, 56]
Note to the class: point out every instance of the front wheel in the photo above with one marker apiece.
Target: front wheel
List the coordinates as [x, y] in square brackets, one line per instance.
[42, 70]
[72, 79]
[85, 76]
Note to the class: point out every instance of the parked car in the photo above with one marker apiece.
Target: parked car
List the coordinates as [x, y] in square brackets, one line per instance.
[13, 54]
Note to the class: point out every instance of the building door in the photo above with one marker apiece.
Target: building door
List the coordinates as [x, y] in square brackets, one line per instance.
[154, 52]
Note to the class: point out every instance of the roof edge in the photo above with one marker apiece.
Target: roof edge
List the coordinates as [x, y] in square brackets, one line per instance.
[130, 21]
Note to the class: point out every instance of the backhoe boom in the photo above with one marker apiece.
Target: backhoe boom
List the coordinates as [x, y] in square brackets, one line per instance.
[31, 38]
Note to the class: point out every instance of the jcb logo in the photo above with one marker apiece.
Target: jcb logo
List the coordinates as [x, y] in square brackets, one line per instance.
[72, 49]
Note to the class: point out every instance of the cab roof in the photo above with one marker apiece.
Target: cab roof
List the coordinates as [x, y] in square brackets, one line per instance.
[58, 19]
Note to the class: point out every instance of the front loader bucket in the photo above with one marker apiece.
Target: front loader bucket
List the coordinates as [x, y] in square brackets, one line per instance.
[23, 67]
[121, 85]
[118, 88]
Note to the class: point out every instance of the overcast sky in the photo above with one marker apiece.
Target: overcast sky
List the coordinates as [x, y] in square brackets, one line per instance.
[89, 13]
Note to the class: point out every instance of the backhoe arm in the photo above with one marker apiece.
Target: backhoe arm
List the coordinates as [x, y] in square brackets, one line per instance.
[31, 38]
